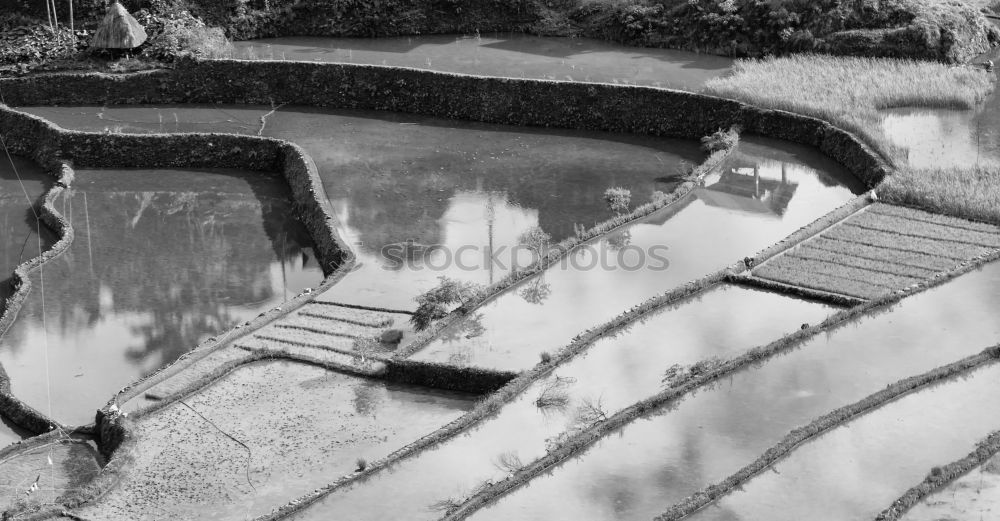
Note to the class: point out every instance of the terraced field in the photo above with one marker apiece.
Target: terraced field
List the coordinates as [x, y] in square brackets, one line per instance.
[881, 249]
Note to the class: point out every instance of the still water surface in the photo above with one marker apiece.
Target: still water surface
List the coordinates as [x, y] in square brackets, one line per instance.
[616, 371]
[510, 55]
[767, 190]
[665, 457]
[419, 197]
[161, 260]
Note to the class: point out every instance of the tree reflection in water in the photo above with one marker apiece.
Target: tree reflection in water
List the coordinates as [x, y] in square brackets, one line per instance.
[161, 260]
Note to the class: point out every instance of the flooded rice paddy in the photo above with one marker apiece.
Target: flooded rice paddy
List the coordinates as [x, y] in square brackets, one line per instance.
[657, 461]
[22, 184]
[509, 55]
[765, 191]
[161, 260]
[941, 138]
[300, 427]
[856, 470]
[975, 495]
[419, 198]
[614, 372]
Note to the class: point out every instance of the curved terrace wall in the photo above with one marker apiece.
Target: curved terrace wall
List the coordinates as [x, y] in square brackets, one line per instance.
[589, 106]
[50, 146]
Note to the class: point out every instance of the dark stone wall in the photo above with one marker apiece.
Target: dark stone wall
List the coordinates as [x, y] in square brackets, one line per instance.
[605, 107]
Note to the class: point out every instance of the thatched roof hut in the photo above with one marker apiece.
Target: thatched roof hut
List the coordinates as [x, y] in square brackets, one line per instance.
[118, 30]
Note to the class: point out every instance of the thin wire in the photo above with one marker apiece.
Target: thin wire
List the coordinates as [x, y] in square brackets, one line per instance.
[41, 278]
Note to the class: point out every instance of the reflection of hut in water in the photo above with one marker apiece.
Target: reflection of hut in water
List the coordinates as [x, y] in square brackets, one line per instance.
[743, 189]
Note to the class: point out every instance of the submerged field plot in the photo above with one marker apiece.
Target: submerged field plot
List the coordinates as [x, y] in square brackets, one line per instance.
[420, 197]
[696, 236]
[975, 495]
[677, 450]
[855, 470]
[577, 392]
[881, 249]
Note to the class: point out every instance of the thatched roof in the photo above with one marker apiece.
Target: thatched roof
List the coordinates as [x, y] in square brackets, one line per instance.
[118, 30]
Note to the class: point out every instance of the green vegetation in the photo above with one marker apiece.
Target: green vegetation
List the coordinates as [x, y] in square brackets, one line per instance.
[434, 304]
[176, 33]
[722, 139]
[967, 193]
[618, 199]
[849, 92]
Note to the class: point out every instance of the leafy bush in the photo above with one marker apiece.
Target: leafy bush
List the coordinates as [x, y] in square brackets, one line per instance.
[175, 33]
[26, 41]
[721, 140]
[618, 199]
[535, 238]
[434, 303]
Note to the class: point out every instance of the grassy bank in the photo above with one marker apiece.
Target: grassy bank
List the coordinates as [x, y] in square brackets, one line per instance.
[967, 193]
[849, 92]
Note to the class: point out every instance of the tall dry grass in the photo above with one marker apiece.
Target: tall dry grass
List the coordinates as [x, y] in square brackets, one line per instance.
[972, 193]
[849, 91]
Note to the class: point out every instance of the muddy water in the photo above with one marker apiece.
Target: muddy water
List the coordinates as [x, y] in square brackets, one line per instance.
[510, 55]
[947, 138]
[613, 373]
[419, 198]
[161, 260]
[767, 190]
[855, 471]
[304, 427]
[659, 460]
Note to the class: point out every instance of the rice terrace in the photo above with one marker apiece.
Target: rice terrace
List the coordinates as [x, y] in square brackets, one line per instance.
[711, 260]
